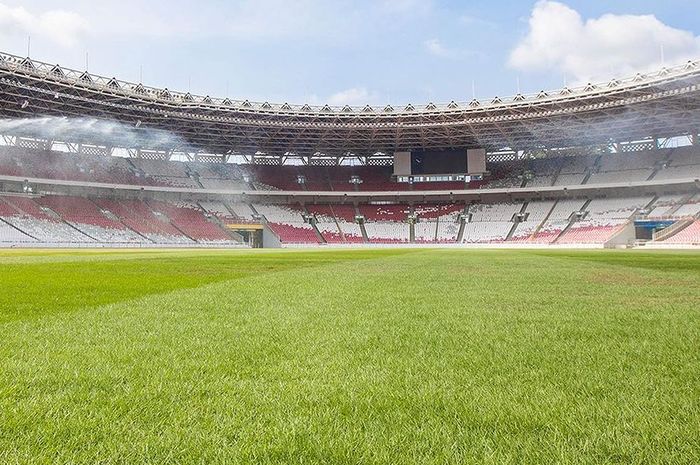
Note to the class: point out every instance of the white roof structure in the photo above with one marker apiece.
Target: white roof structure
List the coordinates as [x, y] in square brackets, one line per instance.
[662, 104]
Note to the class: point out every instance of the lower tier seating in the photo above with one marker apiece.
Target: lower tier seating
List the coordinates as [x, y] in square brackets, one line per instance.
[138, 216]
[294, 234]
[288, 224]
[426, 231]
[189, 219]
[49, 232]
[10, 234]
[486, 231]
[67, 219]
[591, 232]
[689, 235]
[387, 232]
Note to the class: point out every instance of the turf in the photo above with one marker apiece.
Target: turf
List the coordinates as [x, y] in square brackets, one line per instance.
[349, 357]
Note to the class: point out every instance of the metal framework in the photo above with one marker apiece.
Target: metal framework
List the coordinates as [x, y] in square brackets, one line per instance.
[658, 105]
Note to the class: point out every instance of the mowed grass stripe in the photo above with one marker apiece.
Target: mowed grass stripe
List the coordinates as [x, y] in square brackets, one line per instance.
[60, 281]
[431, 357]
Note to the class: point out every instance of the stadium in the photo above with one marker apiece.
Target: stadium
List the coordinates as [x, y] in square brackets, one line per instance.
[435, 285]
[592, 166]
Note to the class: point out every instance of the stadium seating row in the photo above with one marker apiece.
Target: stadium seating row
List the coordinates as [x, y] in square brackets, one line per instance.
[565, 221]
[64, 219]
[665, 164]
[78, 220]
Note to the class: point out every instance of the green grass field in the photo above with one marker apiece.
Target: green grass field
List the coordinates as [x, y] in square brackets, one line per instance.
[349, 357]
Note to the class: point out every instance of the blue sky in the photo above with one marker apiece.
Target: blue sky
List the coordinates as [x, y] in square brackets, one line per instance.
[355, 51]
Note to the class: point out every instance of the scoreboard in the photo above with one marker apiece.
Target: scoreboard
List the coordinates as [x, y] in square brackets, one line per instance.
[440, 162]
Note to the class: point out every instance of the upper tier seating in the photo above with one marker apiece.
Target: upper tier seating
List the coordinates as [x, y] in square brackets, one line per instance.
[316, 178]
[629, 161]
[684, 163]
[219, 176]
[224, 184]
[276, 177]
[685, 156]
[541, 181]
[167, 173]
[573, 170]
[71, 167]
[374, 178]
[623, 167]
[573, 179]
[543, 172]
[678, 172]
[611, 177]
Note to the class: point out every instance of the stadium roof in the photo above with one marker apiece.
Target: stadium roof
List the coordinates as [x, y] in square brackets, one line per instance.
[661, 104]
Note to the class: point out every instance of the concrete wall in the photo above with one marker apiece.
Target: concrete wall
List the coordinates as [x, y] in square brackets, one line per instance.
[270, 240]
[626, 236]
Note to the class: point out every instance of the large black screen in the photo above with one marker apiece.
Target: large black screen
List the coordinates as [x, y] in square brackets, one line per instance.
[439, 162]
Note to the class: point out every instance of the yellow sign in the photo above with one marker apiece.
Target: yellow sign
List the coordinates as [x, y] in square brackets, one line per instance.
[245, 227]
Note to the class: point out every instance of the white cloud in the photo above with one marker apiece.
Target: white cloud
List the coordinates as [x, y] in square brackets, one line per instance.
[353, 96]
[560, 40]
[436, 48]
[59, 26]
